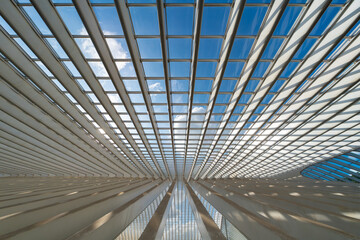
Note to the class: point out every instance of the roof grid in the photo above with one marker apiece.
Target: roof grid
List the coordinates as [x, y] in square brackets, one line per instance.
[171, 89]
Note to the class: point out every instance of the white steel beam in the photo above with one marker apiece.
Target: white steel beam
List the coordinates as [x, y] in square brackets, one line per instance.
[233, 23]
[155, 228]
[206, 225]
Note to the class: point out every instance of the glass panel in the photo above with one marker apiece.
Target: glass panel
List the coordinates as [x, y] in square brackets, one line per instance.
[25, 47]
[114, 97]
[304, 49]
[44, 68]
[267, 99]
[289, 69]
[72, 68]
[244, 99]
[233, 69]
[6, 26]
[132, 85]
[278, 84]
[272, 48]
[219, 109]
[109, 21]
[156, 85]
[136, 98]
[149, 47]
[287, 20]
[118, 48]
[145, 20]
[214, 20]
[158, 98]
[206, 69]
[37, 20]
[260, 69]
[179, 69]
[180, 85]
[153, 69]
[179, 20]
[179, 98]
[203, 85]
[107, 85]
[179, 1]
[209, 48]
[251, 20]
[87, 48]
[72, 20]
[223, 98]
[83, 85]
[126, 69]
[179, 48]
[98, 69]
[241, 48]
[324, 21]
[93, 98]
[201, 98]
[251, 86]
[227, 85]
[57, 48]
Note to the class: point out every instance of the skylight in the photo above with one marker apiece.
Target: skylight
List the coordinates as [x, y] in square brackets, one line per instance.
[196, 90]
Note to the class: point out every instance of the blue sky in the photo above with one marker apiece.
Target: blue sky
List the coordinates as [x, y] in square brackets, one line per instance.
[180, 27]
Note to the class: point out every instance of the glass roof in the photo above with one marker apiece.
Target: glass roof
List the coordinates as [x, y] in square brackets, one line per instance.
[196, 90]
[181, 89]
[344, 168]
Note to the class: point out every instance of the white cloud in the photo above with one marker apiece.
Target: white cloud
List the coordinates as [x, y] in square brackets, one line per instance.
[180, 118]
[114, 98]
[117, 51]
[116, 48]
[87, 46]
[198, 110]
[99, 69]
[155, 87]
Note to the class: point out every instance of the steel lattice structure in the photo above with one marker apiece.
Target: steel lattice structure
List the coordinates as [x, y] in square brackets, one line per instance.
[178, 90]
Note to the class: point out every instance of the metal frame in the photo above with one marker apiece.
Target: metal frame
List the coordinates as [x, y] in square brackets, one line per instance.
[168, 140]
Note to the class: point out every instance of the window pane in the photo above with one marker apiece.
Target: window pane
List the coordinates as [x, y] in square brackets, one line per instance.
[37, 20]
[214, 20]
[272, 48]
[209, 48]
[87, 47]
[109, 21]
[233, 69]
[287, 20]
[132, 85]
[206, 69]
[251, 20]
[156, 85]
[118, 48]
[203, 85]
[179, 69]
[180, 85]
[241, 48]
[227, 85]
[260, 69]
[153, 69]
[304, 49]
[72, 20]
[324, 21]
[179, 48]
[179, 20]
[149, 47]
[145, 20]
